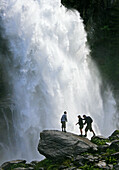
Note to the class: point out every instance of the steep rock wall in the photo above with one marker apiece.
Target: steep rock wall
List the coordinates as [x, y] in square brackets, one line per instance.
[101, 19]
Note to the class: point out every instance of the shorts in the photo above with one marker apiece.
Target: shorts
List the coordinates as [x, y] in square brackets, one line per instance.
[63, 124]
[80, 126]
[88, 127]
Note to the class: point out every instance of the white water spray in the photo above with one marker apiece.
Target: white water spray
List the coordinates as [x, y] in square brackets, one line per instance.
[50, 71]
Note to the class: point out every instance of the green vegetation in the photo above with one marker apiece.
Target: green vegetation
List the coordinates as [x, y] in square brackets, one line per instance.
[111, 160]
[50, 165]
[44, 163]
[114, 136]
[98, 141]
[89, 167]
[109, 152]
[21, 165]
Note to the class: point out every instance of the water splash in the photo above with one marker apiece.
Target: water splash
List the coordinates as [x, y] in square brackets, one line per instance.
[49, 71]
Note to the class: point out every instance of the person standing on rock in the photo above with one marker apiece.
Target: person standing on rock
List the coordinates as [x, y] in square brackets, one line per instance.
[80, 122]
[63, 121]
[88, 121]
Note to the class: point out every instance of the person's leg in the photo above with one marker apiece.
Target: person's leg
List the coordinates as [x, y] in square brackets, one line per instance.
[81, 131]
[92, 130]
[86, 130]
[64, 126]
[85, 134]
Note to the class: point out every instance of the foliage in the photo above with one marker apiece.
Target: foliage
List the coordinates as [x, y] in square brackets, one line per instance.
[88, 167]
[110, 151]
[110, 160]
[50, 165]
[98, 141]
[21, 165]
[44, 163]
[67, 162]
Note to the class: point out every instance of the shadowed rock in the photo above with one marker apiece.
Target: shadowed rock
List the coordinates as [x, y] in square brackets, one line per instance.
[8, 164]
[54, 144]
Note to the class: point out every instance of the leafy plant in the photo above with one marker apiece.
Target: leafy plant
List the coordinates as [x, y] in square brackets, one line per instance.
[110, 160]
[98, 141]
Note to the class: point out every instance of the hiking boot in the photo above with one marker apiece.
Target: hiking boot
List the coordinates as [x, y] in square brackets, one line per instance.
[85, 135]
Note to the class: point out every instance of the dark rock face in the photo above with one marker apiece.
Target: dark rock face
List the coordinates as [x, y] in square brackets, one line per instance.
[101, 22]
[54, 144]
[115, 145]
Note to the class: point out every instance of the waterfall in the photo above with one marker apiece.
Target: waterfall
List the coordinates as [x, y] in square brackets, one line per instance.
[49, 70]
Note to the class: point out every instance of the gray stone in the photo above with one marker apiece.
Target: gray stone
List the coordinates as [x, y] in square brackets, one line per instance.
[55, 144]
[115, 155]
[100, 164]
[79, 158]
[99, 137]
[116, 167]
[89, 158]
[62, 167]
[7, 165]
[110, 166]
[115, 145]
[103, 148]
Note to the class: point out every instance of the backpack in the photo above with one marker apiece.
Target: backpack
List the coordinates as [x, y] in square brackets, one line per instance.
[90, 120]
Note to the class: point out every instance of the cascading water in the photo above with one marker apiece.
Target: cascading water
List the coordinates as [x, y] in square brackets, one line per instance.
[49, 71]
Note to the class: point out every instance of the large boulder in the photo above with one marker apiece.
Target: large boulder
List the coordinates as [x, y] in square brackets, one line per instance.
[57, 145]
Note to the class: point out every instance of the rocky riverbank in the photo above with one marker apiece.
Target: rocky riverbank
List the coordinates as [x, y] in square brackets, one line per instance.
[70, 151]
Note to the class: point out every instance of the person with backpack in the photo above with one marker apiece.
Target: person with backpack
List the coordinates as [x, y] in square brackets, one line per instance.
[63, 121]
[80, 122]
[88, 121]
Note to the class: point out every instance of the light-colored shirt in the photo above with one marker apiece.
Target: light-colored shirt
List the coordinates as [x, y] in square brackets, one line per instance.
[64, 118]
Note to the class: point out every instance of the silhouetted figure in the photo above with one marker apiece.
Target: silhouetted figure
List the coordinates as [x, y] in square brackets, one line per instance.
[63, 121]
[88, 121]
[80, 122]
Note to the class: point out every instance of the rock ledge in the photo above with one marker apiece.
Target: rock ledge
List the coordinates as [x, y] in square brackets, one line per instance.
[54, 144]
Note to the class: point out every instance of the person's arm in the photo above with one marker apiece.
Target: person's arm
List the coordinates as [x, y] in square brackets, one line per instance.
[66, 118]
[77, 123]
[84, 122]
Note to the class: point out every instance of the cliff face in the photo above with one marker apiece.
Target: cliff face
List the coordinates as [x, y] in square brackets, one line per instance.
[101, 19]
